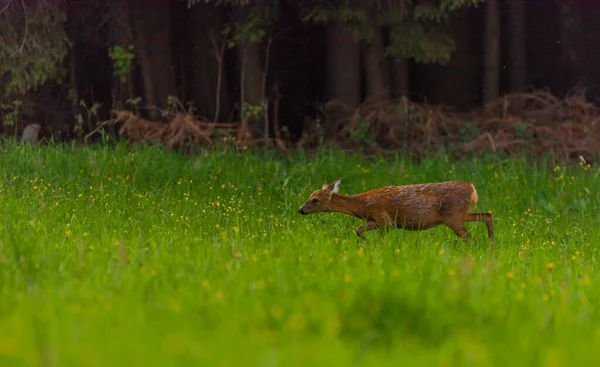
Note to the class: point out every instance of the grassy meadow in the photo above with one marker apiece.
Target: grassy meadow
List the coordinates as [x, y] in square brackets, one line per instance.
[118, 257]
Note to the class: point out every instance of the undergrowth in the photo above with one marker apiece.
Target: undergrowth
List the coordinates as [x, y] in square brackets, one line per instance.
[110, 256]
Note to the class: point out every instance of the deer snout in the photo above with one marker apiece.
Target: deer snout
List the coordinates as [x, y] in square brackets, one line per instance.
[301, 211]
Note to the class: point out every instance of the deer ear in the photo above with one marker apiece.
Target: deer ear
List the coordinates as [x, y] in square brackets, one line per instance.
[325, 187]
[336, 185]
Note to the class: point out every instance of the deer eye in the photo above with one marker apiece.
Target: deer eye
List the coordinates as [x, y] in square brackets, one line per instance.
[314, 201]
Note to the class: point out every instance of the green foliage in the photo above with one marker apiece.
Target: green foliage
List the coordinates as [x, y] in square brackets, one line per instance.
[116, 257]
[220, 2]
[11, 112]
[394, 15]
[523, 131]
[251, 31]
[351, 13]
[12, 109]
[122, 58]
[88, 117]
[426, 44]
[252, 112]
[453, 5]
[360, 132]
[429, 13]
[419, 31]
[33, 44]
[255, 26]
[468, 132]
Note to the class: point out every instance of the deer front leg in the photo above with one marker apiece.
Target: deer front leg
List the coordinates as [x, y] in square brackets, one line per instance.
[369, 226]
[458, 228]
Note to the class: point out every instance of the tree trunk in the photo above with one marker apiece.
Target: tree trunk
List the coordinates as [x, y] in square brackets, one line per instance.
[399, 77]
[121, 33]
[251, 77]
[457, 83]
[153, 39]
[343, 65]
[572, 41]
[72, 10]
[249, 63]
[491, 63]
[206, 25]
[518, 45]
[373, 57]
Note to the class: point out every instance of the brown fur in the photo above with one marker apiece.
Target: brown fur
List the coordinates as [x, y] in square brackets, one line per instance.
[412, 207]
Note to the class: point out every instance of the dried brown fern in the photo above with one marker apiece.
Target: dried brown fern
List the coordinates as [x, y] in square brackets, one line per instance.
[537, 122]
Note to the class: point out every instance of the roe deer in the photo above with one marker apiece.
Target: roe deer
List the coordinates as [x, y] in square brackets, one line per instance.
[411, 207]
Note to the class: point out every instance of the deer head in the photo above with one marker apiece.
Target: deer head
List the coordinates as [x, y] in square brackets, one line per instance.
[318, 201]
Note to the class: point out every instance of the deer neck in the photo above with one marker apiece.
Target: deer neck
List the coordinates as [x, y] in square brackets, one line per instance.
[350, 205]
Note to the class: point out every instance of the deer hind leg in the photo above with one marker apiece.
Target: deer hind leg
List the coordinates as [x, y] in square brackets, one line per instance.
[484, 218]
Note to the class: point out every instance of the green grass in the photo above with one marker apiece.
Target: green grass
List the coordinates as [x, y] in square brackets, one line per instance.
[111, 257]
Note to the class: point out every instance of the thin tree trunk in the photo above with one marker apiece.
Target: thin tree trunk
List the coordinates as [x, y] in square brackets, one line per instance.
[73, 90]
[146, 69]
[571, 41]
[72, 34]
[121, 33]
[253, 73]
[373, 57]
[399, 76]
[251, 76]
[343, 65]
[207, 24]
[72, 10]
[456, 83]
[491, 77]
[518, 45]
[153, 38]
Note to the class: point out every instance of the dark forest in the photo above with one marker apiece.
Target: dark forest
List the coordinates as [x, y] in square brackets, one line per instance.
[390, 73]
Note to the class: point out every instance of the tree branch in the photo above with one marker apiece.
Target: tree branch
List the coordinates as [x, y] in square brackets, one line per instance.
[264, 80]
[20, 50]
[6, 6]
[218, 53]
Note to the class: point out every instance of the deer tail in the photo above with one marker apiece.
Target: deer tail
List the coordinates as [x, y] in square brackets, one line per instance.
[474, 197]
